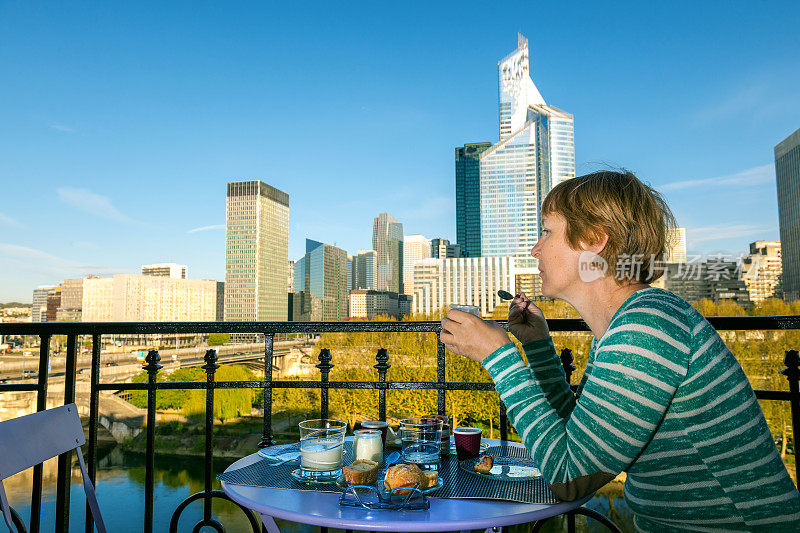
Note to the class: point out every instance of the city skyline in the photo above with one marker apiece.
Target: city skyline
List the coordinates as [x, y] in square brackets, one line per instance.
[115, 152]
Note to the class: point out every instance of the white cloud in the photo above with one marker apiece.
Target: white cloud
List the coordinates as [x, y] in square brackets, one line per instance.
[5, 219]
[746, 178]
[751, 97]
[93, 203]
[30, 259]
[62, 127]
[207, 228]
[723, 231]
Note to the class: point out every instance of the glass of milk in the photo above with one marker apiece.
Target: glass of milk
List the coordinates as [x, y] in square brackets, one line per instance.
[321, 447]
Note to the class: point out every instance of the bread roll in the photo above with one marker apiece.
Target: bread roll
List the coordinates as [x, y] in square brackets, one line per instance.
[361, 472]
[404, 476]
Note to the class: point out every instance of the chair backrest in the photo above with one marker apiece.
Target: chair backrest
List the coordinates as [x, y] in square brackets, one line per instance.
[29, 440]
[32, 439]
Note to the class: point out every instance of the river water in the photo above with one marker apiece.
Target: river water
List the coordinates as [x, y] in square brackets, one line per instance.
[120, 491]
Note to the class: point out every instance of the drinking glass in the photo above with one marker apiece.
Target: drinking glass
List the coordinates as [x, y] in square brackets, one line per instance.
[471, 309]
[421, 440]
[321, 447]
[445, 431]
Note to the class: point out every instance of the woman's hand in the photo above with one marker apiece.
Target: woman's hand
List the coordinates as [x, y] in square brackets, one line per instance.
[526, 321]
[467, 335]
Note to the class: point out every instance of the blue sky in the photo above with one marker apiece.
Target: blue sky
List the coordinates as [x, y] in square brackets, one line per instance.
[121, 123]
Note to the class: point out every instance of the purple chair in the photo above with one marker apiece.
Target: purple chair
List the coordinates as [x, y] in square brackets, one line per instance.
[29, 440]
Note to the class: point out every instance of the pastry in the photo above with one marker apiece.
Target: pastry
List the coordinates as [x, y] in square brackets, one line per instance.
[484, 465]
[404, 476]
[431, 478]
[361, 472]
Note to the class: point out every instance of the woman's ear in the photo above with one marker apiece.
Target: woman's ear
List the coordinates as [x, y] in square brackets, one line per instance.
[596, 242]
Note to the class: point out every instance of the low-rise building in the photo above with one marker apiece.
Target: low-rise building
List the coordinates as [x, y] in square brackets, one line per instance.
[465, 280]
[762, 270]
[715, 279]
[366, 303]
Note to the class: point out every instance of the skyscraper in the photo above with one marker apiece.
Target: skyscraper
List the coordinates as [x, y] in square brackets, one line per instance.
[536, 152]
[387, 241]
[365, 270]
[320, 283]
[256, 252]
[787, 173]
[468, 197]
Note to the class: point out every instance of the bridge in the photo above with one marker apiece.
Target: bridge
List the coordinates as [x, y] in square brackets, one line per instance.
[119, 417]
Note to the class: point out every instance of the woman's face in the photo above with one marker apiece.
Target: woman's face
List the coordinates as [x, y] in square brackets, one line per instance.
[558, 263]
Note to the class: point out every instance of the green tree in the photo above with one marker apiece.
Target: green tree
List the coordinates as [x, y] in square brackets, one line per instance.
[218, 339]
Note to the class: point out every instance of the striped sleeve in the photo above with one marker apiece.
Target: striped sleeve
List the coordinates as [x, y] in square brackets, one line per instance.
[546, 368]
[637, 367]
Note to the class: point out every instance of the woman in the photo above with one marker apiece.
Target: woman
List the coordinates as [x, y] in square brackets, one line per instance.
[662, 398]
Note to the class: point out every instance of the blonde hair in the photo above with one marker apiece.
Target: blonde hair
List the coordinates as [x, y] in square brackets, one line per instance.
[633, 215]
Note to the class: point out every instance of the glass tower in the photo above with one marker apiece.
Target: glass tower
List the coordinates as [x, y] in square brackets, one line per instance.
[787, 173]
[468, 197]
[320, 283]
[536, 151]
[256, 252]
[387, 241]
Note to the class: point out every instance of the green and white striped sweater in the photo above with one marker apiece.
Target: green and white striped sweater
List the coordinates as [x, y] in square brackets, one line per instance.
[663, 399]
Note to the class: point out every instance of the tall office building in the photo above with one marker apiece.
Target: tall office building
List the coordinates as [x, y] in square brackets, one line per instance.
[536, 152]
[468, 197]
[676, 245]
[71, 301]
[98, 300]
[762, 271]
[39, 307]
[320, 283]
[365, 270]
[787, 173]
[415, 248]
[170, 270]
[387, 241]
[256, 252]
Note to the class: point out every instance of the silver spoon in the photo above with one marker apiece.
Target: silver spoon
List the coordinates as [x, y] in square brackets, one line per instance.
[505, 295]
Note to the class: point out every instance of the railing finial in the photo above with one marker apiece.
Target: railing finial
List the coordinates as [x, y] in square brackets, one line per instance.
[211, 361]
[152, 361]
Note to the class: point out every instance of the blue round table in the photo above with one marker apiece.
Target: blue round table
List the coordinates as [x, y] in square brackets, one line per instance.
[322, 509]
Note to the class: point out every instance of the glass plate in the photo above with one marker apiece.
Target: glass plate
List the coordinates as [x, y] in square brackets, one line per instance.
[318, 478]
[341, 483]
[505, 468]
[280, 452]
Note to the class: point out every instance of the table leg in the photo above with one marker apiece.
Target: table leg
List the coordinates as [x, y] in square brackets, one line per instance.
[269, 524]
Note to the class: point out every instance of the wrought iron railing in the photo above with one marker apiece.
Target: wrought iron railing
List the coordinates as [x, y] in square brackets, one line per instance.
[46, 331]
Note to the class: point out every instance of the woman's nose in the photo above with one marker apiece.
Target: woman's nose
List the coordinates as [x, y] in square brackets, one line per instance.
[535, 250]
